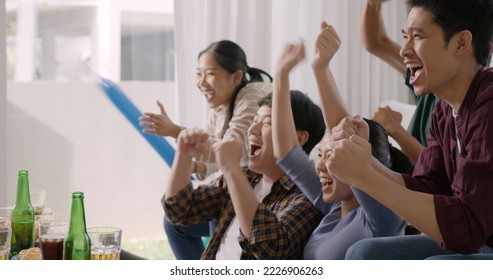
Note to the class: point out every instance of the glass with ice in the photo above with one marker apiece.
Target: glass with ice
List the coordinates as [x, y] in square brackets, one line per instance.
[51, 236]
[5, 239]
[105, 243]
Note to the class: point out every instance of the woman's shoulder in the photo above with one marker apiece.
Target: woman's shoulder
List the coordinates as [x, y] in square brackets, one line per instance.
[262, 88]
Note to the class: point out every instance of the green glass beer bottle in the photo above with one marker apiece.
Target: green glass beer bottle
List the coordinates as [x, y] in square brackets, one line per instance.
[22, 217]
[77, 244]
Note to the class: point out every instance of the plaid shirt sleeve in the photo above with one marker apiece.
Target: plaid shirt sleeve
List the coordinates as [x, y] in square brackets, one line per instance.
[194, 205]
[282, 232]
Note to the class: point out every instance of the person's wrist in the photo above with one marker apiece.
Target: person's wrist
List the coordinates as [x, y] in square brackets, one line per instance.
[179, 130]
[393, 130]
[194, 166]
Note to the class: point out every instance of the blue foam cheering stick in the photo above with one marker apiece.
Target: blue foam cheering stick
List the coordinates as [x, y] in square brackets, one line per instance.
[130, 111]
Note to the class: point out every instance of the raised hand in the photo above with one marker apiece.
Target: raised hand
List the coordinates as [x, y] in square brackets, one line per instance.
[159, 124]
[291, 55]
[388, 118]
[228, 153]
[350, 160]
[350, 126]
[192, 142]
[326, 45]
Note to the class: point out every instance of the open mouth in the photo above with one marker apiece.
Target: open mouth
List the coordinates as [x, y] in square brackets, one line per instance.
[255, 149]
[326, 181]
[416, 69]
[208, 96]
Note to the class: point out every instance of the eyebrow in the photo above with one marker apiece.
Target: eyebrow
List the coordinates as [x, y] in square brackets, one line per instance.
[412, 29]
[265, 115]
[208, 68]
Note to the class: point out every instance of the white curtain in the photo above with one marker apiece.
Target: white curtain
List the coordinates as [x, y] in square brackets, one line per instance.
[262, 27]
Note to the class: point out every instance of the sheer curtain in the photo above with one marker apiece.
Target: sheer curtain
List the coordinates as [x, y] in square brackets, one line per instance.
[3, 112]
[262, 27]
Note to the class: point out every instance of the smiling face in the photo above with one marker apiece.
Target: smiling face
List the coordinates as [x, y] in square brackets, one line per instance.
[431, 61]
[261, 152]
[216, 84]
[332, 189]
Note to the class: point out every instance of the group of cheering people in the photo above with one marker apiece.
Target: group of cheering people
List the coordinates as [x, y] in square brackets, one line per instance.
[272, 201]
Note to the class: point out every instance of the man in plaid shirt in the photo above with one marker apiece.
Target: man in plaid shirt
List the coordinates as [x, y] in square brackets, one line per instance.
[261, 214]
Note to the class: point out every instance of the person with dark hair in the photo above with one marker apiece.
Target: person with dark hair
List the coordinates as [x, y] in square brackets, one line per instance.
[376, 40]
[350, 214]
[261, 213]
[232, 89]
[448, 198]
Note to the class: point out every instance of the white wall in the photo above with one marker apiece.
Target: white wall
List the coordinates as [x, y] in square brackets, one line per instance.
[70, 137]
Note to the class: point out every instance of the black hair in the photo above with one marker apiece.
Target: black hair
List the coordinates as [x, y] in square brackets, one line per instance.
[307, 116]
[384, 152]
[454, 16]
[232, 58]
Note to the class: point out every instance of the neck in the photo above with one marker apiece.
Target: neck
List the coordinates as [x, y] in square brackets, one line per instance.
[457, 89]
[272, 175]
[349, 205]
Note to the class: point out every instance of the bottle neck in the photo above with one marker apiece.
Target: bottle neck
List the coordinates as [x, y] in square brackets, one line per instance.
[77, 216]
[23, 198]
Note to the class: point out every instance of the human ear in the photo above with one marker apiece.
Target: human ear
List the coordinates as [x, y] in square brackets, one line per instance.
[303, 137]
[463, 42]
[238, 76]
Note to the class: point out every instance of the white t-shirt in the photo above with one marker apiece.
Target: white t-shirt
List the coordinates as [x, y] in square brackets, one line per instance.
[230, 249]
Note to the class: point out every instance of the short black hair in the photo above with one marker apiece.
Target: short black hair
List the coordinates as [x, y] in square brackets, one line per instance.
[454, 16]
[307, 116]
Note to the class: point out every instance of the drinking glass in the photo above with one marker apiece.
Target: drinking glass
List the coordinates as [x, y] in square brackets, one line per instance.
[105, 243]
[51, 236]
[38, 199]
[45, 216]
[5, 216]
[5, 238]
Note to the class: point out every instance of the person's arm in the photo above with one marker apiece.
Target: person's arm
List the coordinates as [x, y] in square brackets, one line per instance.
[181, 202]
[375, 38]
[159, 124]
[287, 150]
[409, 145]
[327, 44]
[391, 121]
[245, 202]
[351, 162]
[284, 135]
[191, 142]
[301, 170]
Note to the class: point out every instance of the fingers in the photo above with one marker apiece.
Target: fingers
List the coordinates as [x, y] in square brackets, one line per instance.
[194, 136]
[339, 135]
[328, 38]
[161, 108]
[359, 122]
[149, 131]
[347, 125]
